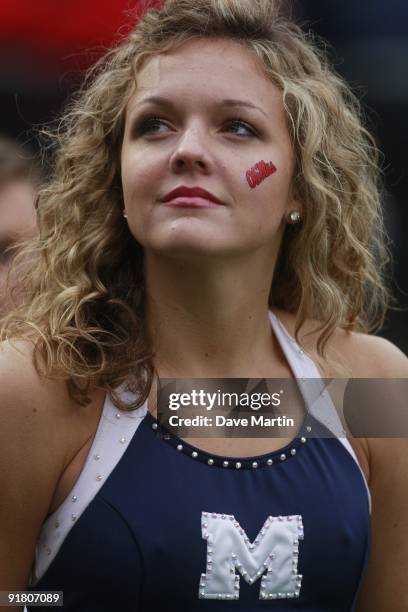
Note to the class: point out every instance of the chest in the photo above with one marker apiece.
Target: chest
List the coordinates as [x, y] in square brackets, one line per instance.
[188, 522]
[221, 444]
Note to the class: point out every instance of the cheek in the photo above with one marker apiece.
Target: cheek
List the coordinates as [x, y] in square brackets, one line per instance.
[259, 172]
[124, 174]
[132, 180]
[140, 175]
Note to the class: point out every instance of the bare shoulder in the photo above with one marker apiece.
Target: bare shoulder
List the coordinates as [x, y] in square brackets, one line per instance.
[353, 354]
[370, 356]
[27, 398]
[39, 412]
[358, 355]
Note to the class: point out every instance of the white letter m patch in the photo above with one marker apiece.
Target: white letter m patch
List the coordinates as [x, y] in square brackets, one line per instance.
[274, 553]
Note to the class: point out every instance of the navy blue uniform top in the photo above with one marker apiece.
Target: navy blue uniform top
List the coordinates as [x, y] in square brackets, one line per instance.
[155, 524]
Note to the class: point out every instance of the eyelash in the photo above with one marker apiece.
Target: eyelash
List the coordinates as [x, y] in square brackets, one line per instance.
[142, 127]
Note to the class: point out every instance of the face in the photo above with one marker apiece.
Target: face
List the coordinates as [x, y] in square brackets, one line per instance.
[242, 154]
[17, 221]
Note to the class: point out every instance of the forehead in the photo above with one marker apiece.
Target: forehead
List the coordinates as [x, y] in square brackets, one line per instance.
[200, 69]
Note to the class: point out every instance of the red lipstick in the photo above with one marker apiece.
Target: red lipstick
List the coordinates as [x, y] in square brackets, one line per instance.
[191, 193]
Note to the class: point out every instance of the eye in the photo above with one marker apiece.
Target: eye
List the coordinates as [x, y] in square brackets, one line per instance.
[238, 122]
[150, 123]
[146, 125]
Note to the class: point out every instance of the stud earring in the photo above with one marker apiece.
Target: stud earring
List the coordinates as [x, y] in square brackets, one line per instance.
[124, 214]
[294, 216]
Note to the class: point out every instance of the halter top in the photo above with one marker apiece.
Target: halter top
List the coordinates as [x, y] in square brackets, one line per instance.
[156, 524]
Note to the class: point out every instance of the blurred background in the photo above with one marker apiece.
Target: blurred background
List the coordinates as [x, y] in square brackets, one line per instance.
[45, 46]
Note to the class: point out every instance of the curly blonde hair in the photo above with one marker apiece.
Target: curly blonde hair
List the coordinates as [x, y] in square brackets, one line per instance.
[84, 289]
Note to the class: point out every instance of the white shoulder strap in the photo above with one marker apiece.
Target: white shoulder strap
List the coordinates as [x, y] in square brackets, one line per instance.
[115, 430]
[317, 399]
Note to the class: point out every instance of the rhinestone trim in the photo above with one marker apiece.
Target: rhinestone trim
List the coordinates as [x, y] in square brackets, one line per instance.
[242, 463]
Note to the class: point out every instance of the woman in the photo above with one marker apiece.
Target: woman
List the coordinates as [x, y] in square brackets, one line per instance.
[264, 263]
[19, 180]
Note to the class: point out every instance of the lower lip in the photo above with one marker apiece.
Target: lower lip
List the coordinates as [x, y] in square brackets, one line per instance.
[189, 202]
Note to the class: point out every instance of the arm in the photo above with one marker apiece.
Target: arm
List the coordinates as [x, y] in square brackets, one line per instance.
[385, 585]
[31, 459]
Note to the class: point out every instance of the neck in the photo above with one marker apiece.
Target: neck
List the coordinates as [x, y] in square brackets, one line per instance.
[212, 321]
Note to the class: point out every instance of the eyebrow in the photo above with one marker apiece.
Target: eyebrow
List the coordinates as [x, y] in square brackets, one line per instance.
[229, 102]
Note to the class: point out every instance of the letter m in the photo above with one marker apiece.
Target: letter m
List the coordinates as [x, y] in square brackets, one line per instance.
[273, 555]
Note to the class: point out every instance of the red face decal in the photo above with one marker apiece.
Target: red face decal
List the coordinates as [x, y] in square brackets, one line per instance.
[259, 172]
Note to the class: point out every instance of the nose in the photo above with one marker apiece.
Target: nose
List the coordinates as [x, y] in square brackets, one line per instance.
[191, 152]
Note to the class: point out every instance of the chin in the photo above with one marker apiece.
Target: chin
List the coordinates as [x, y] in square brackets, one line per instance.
[182, 241]
[188, 252]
